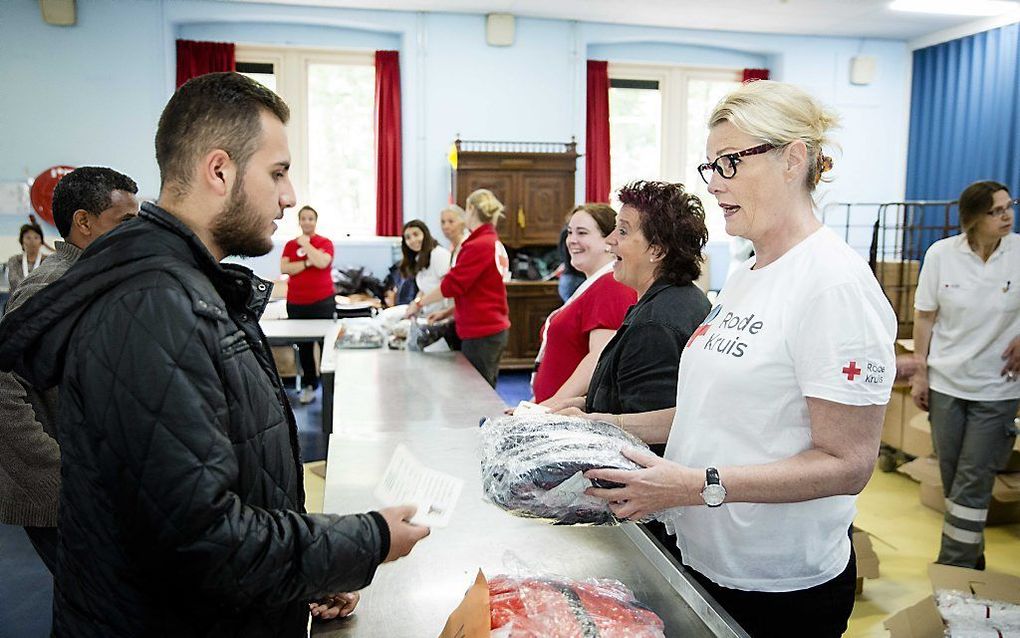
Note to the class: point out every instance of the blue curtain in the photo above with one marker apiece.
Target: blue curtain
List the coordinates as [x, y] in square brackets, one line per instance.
[964, 121]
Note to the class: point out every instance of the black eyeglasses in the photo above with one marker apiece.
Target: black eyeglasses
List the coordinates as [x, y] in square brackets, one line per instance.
[1008, 209]
[726, 165]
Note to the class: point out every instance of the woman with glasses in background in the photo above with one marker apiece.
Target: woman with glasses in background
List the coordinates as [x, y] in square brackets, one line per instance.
[967, 348]
[782, 388]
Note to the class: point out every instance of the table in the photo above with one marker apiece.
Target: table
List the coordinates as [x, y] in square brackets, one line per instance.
[285, 332]
[432, 403]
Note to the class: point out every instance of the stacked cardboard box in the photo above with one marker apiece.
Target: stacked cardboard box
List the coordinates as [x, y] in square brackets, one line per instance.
[1004, 508]
[899, 282]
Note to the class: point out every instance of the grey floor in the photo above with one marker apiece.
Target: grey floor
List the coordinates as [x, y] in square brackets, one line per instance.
[26, 589]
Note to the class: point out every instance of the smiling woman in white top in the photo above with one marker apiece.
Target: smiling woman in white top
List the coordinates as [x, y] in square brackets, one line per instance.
[967, 346]
[781, 391]
[424, 259]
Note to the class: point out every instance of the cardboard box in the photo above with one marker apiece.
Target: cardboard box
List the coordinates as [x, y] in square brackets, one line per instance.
[1013, 465]
[1003, 510]
[899, 282]
[923, 620]
[916, 431]
[866, 558]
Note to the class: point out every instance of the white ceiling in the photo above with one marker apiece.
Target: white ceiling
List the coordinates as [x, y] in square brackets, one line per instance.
[855, 18]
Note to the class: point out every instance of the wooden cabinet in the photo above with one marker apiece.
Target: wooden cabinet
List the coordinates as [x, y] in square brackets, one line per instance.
[535, 182]
[530, 304]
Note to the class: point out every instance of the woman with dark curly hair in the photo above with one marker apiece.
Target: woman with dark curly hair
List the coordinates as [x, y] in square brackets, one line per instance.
[660, 233]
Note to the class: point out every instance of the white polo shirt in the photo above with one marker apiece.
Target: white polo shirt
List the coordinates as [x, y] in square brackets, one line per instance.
[978, 306]
[813, 323]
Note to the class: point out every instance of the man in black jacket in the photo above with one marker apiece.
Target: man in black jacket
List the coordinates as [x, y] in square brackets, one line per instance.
[181, 503]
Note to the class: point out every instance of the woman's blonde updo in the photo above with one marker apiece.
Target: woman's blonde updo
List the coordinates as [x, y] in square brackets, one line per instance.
[779, 113]
[487, 207]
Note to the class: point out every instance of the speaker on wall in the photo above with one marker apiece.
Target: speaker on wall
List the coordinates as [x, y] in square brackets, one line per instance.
[59, 13]
[862, 69]
[499, 29]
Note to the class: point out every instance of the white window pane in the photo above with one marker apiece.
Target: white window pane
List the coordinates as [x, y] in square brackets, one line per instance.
[635, 135]
[267, 80]
[341, 148]
[702, 96]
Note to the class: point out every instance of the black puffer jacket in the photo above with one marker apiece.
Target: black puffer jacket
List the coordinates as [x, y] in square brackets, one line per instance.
[181, 506]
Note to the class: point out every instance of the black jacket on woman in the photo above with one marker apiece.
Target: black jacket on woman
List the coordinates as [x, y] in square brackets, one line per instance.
[637, 371]
[181, 502]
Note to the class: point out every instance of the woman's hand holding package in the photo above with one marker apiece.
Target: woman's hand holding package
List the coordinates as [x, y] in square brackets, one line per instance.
[658, 486]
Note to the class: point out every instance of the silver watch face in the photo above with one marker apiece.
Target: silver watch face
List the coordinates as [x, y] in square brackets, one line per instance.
[713, 494]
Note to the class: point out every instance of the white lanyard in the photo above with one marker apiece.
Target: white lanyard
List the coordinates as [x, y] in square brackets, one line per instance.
[587, 283]
[24, 262]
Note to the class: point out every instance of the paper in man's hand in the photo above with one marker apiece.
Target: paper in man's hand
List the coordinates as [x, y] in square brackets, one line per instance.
[408, 482]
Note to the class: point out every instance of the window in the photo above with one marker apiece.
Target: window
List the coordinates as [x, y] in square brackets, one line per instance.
[657, 126]
[331, 132]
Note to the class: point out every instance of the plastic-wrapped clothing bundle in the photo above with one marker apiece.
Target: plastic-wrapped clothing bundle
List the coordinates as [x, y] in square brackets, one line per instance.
[555, 607]
[532, 465]
[970, 617]
[360, 333]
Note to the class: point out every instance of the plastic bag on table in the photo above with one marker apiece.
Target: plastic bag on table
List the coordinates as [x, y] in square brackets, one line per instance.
[556, 607]
[360, 333]
[532, 465]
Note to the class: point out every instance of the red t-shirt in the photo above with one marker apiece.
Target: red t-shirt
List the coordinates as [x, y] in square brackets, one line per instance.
[477, 284]
[602, 306]
[311, 284]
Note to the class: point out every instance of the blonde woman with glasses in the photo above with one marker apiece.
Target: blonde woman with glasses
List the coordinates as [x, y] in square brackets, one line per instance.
[782, 388]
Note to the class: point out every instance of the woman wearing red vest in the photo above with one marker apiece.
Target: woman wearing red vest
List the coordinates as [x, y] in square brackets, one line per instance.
[477, 285]
[308, 260]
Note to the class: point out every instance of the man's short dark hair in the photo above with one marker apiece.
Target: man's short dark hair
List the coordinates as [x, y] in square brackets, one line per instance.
[89, 188]
[212, 111]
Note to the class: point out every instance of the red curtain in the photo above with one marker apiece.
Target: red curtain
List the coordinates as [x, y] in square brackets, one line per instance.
[389, 193]
[755, 74]
[596, 180]
[198, 58]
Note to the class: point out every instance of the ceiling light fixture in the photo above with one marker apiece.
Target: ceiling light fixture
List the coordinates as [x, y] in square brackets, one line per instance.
[957, 7]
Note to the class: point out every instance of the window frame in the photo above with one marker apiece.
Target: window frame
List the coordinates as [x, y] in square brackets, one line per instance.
[673, 82]
[290, 66]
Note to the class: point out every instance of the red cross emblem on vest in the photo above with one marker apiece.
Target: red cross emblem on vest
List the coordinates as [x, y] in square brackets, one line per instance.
[851, 371]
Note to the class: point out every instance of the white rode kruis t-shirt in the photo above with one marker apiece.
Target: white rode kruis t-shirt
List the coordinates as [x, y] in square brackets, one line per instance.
[814, 323]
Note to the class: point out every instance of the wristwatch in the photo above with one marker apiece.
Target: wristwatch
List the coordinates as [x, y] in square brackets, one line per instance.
[713, 493]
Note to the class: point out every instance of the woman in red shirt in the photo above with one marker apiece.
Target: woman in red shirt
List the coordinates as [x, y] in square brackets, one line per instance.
[307, 259]
[477, 285]
[575, 334]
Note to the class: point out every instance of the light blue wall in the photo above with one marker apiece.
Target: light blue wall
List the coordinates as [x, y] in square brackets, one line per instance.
[680, 54]
[92, 93]
[304, 35]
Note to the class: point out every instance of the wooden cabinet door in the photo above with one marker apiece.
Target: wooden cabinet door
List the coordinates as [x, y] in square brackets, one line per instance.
[546, 200]
[530, 304]
[503, 185]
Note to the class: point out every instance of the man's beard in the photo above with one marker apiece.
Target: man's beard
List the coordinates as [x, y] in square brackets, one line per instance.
[238, 229]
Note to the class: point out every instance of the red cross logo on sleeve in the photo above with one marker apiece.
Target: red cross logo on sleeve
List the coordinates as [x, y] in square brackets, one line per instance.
[851, 371]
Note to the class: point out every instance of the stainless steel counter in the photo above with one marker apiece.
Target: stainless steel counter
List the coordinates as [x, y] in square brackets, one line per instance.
[432, 404]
